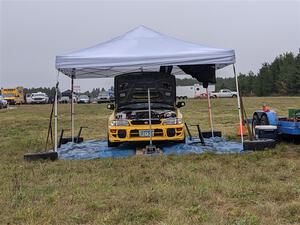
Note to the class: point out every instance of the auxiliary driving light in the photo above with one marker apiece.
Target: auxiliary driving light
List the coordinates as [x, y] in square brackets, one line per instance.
[121, 133]
[171, 132]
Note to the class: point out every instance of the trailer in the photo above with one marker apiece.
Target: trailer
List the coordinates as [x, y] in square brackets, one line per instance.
[288, 126]
[195, 91]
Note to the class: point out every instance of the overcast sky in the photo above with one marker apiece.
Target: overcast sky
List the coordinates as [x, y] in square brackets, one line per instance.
[34, 32]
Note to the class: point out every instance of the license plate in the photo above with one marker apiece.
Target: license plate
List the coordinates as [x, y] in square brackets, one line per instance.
[146, 133]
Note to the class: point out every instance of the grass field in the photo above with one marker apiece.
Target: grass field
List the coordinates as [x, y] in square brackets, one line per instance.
[240, 189]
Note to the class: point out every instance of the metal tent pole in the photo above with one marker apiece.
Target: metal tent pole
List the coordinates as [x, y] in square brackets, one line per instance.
[210, 113]
[55, 114]
[150, 119]
[239, 103]
[72, 107]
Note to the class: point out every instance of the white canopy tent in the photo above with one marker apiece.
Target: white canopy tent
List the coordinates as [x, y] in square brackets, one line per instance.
[142, 48]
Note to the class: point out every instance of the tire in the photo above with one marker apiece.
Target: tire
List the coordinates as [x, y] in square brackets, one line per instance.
[255, 122]
[234, 96]
[260, 144]
[112, 144]
[181, 141]
[264, 120]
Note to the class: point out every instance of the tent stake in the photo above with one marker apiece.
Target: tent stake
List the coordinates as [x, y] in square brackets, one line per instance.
[239, 103]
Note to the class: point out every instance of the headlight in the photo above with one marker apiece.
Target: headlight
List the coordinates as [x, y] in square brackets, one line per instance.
[172, 121]
[119, 123]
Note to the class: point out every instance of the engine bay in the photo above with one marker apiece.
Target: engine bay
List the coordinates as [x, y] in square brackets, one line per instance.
[144, 114]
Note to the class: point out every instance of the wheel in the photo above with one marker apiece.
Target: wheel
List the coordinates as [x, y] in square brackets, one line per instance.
[264, 120]
[234, 96]
[181, 141]
[255, 121]
[112, 144]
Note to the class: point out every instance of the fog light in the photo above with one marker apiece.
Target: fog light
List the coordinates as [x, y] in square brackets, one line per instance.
[171, 132]
[121, 133]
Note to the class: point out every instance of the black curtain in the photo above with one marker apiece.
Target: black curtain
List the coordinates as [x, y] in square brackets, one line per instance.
[206, 74]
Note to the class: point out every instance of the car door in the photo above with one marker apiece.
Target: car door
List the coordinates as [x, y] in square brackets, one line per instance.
[226, 94]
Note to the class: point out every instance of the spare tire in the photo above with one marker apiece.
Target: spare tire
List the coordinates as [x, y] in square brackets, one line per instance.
[259, 144]
[41, 155]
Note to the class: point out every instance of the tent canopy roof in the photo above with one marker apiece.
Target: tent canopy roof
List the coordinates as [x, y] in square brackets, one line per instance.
[136, 49]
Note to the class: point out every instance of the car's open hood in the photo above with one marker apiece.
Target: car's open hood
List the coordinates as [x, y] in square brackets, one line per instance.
[131, 90]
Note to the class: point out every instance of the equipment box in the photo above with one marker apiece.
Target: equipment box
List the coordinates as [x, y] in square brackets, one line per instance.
[266, 132]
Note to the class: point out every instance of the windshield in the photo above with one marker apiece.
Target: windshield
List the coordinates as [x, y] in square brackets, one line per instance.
[9, 95]
[38, 95]
[145, 106]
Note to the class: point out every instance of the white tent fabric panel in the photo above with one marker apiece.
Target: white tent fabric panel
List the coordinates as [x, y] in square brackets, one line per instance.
[140, 47]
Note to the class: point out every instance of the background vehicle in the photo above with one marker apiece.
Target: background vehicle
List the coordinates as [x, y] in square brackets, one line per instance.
[28, 99]
[103, 97]
[129, 121]
[195, 91]
[224, 93]
[285, 126]
[3, 103]
[64, 99]
[14, 96]
[83, 99]
[112, 98]
[39, 98]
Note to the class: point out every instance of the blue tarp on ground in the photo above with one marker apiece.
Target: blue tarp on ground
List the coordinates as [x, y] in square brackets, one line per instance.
[98, 149]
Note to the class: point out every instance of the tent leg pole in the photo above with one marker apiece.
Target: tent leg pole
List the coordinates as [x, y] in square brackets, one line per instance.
[55, 113]
[210, 113]
[72, 108]
[239, 103]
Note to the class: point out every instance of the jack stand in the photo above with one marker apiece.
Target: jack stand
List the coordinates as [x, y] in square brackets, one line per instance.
[150, 149]
[200, 134]
[201, 138]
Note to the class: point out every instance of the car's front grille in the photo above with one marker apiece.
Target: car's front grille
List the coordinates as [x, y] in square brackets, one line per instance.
[145, 122]
[157, 133]
[37, 99]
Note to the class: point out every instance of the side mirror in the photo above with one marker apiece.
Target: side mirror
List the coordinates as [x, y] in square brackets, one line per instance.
[180, 104]
[110, 106]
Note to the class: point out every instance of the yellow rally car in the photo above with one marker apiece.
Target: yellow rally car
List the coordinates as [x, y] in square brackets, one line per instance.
[129, 121]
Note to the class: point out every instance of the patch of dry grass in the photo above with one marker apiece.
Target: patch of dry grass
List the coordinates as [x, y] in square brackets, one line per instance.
[253, 188]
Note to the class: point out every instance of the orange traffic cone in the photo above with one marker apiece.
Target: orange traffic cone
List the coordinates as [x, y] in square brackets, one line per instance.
[243, 131]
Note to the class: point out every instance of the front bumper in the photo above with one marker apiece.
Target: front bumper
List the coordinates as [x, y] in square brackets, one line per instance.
[161, 133]
[43, 101]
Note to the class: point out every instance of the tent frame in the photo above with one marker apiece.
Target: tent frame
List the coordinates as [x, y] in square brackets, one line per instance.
[72, 111]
